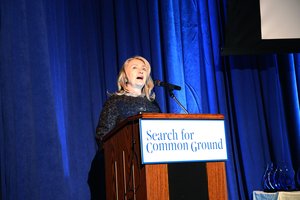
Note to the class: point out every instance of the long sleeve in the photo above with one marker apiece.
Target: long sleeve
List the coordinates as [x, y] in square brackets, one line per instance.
[107, 120]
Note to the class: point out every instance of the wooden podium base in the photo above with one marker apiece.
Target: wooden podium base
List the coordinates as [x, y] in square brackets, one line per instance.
[127, 178]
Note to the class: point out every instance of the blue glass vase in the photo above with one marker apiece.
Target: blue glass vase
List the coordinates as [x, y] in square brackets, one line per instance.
[286, 179]
[268, 178]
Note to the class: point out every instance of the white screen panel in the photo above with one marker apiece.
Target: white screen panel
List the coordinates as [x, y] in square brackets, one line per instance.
[280, 19]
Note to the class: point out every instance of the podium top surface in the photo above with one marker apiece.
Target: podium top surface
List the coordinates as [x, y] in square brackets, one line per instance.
[163, 116]
[176, 116]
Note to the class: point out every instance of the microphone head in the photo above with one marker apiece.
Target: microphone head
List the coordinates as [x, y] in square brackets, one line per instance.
[166, 85]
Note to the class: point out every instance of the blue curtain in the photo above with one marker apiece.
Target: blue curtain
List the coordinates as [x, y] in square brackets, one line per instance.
[59, 59]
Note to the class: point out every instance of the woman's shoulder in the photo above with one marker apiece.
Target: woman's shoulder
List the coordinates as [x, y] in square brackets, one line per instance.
[114, 98]
[111, 97]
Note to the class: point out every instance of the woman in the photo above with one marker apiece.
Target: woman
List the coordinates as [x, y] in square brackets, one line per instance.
[134, 95]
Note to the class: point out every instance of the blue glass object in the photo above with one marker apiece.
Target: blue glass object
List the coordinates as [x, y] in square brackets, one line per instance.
[280, 177]
[268, 183]
[285, 179]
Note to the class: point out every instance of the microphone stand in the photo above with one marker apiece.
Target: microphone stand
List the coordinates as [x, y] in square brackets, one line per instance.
[176, 100]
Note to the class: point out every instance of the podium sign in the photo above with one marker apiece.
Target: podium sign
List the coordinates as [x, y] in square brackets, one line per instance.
[189, 140]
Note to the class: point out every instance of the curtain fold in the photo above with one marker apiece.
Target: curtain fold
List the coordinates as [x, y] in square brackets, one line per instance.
[288, 80]
[60, 58]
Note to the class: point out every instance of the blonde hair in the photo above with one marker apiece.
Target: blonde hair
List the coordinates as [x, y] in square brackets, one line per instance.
[149, 85]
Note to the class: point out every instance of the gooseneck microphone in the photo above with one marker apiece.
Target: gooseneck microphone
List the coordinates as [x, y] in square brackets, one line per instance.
[170, 87]
[167, 85]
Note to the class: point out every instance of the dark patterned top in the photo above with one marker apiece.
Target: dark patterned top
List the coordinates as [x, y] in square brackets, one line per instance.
[118, 108]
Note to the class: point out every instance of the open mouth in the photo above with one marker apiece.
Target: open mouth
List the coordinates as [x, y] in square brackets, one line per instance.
[140, 78]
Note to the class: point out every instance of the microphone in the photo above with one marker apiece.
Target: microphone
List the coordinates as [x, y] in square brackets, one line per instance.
[167, 85]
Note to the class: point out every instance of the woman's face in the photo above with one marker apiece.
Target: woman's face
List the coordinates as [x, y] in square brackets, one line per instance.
[137, 73]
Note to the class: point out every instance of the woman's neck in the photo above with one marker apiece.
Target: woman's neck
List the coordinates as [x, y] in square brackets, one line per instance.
[134, 91]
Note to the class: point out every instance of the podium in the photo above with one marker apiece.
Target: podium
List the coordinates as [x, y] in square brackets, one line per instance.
[128, 178]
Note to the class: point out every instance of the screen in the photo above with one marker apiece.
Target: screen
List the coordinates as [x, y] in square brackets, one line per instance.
[280, 19]
[262, 26]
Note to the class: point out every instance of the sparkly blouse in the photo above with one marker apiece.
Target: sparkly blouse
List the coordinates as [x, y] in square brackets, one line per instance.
[120, 107]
